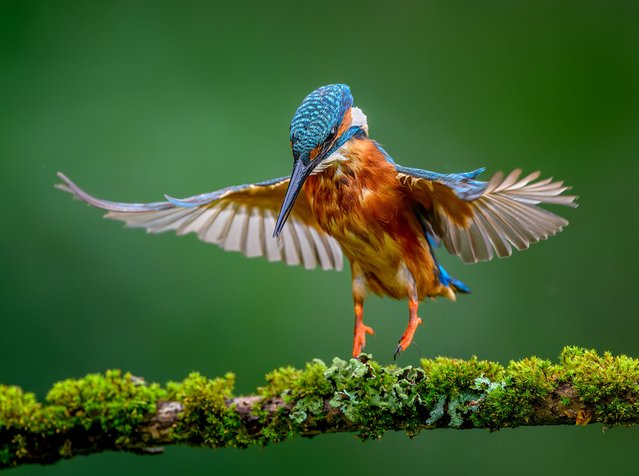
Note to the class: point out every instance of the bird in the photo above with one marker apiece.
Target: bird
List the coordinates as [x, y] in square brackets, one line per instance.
[346, 196]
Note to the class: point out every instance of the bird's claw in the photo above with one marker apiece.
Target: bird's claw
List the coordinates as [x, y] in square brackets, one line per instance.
[359, 341]
[407, 338]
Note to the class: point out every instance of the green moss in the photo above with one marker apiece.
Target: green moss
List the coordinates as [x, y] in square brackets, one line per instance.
[279, 381]
[450, 376]
[115, 402]
[295, 385]
[309, 392]
[607, 384]
[305, 392]
[109, 405]
[359, 394]
[311, 382]
[452, 388]
[17, 408]
[526, 383]
[206, 419]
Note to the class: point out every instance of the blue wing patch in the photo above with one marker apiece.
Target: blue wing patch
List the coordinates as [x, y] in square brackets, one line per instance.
[463, 184]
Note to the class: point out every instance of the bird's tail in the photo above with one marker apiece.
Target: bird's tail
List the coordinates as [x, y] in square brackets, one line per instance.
[446, 280]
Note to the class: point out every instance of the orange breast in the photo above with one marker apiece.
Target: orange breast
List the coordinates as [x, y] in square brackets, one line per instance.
[360, 202]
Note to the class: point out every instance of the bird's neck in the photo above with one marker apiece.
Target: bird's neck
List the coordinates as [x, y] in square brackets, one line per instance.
[354, 157]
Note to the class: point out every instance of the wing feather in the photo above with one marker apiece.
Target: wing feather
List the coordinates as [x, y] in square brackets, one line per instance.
[500, 214]
[240, 218]
[273, 246]
[236, 237]
[254, 240]
[306, 247]
[195, 221]
[216, 232]
[290, 249]
[321, 249]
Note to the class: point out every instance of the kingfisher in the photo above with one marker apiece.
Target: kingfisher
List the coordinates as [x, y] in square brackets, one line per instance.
[347, 196]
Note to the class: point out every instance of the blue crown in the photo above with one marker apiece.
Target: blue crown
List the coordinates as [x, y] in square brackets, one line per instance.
[320, 111]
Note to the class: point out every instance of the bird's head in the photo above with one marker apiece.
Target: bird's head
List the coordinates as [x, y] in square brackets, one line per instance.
[318, 120]
[321, 124]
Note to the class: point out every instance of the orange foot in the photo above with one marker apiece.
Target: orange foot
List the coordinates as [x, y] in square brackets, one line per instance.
[407, 338]
[360, 337]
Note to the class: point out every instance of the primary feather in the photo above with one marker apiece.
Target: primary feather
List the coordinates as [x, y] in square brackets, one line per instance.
[494, 217]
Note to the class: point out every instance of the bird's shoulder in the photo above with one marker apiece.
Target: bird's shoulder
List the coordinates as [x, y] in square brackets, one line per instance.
[371, 155]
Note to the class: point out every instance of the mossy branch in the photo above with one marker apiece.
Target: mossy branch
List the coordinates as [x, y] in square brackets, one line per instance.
[117, 411]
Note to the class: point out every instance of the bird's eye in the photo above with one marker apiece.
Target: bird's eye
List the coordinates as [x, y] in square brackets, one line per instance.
[332, 134]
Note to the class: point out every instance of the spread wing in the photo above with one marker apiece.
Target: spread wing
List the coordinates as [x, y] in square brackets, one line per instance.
[240, 218]
[477, 220]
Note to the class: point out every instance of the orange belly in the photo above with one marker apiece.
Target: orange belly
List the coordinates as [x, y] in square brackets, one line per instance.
[362, 205]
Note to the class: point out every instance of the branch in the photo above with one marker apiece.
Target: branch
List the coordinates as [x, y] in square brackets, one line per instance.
[121, 412]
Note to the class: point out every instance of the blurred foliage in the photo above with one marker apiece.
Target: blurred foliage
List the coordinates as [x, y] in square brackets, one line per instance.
[133, 100]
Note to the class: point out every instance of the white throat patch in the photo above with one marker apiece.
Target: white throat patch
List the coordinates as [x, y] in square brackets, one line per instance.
[359, 119]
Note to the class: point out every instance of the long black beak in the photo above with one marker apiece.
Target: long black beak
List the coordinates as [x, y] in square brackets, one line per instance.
[298, 177]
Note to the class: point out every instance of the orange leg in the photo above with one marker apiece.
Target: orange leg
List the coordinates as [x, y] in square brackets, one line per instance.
[413, 322]
[360, 329]
[359, 292]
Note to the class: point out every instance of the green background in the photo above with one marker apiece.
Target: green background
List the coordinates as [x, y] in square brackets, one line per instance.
[136, 99]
